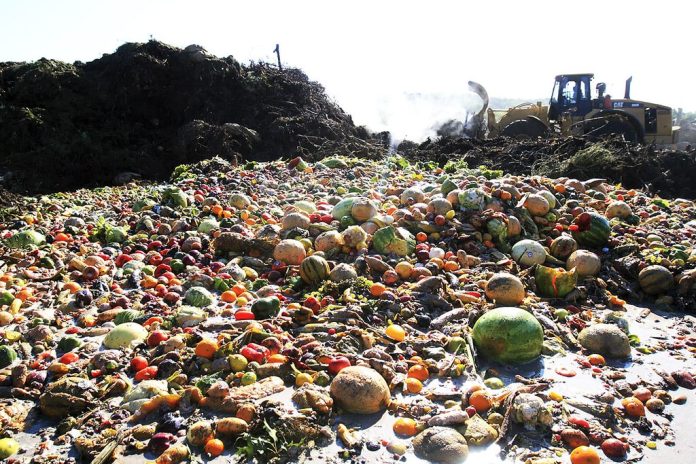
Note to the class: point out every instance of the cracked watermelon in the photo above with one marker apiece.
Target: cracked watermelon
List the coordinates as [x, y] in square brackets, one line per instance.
[509, 335]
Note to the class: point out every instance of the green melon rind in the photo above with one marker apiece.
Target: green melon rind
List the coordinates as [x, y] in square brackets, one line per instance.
[598, 233]
[509, 335]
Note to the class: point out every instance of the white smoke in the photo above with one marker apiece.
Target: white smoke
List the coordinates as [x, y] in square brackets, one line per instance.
[410, 115]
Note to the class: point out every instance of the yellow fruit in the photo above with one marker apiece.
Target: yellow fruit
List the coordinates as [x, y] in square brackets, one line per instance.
[396, 332]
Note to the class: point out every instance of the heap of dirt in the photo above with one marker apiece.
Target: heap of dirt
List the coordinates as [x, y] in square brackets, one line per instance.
[665, 172]
[149, 107]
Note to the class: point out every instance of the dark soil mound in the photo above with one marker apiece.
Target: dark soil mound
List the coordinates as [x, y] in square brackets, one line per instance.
[668, 173]
[149, 107]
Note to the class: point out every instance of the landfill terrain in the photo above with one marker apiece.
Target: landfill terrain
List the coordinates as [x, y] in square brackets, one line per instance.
[205, 261]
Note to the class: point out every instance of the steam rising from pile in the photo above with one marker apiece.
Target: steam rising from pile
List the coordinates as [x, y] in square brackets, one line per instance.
[413, 116]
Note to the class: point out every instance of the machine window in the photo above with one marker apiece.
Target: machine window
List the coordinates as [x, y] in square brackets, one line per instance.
[650, 120]
[570, 93]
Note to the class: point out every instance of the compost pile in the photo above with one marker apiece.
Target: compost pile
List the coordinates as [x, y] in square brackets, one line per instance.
[665, 172]
[345, 309]
[147, 108]
[141, 111]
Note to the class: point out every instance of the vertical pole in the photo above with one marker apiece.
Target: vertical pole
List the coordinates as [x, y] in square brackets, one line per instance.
[277, 52]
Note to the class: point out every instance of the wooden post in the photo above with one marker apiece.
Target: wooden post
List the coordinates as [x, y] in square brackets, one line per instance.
[277, 52]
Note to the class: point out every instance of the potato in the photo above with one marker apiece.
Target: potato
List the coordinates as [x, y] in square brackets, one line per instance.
[360, 390]
[199, 433]
[229, 426]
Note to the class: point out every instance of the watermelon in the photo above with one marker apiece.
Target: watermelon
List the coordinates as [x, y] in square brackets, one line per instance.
[593, 229]
[509, 335]
[314, 269]
[7, 356]
[655, 279]
[528, 252]
[555, 283]
[199, 297]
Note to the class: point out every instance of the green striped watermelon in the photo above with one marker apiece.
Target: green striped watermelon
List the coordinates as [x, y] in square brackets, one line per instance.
[314, 269]
[593, 229]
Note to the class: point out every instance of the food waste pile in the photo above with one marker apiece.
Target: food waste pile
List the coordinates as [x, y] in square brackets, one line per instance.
[345, 310]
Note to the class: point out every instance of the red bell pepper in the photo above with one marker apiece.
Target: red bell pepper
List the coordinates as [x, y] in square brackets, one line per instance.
[254, 352]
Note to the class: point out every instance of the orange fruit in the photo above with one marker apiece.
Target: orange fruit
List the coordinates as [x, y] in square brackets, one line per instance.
[481, 401]
[377, 289]
[405, 426]
[277, 358]
[419, 372]
[72, 287]
[633, 406]
[214, 447]
[451, 266]
[596, 360]
[206, 348]
[413, 385]
[228, 296]
[584, 455]
[643, 394]
[239, 289]
[396, 332]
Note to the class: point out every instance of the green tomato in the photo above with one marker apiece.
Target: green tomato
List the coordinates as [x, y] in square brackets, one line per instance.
[494, 383]
[237, 362]
[456, 344]
[322, 379]
[248, 378]
[347, 221]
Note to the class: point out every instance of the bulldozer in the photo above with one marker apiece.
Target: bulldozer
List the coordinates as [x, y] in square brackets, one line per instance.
[573, 110]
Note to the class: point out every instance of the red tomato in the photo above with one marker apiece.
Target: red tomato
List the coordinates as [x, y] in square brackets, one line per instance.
[152, 320]
[69, 358]
[156, 337]
[146, 374]
[138, 363]
[122, 259]
[244, 315]
[337, 364]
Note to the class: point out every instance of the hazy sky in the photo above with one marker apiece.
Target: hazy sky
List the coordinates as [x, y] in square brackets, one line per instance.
[370, 54]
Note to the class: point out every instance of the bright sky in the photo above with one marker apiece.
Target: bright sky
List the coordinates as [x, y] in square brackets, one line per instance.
[371, 54]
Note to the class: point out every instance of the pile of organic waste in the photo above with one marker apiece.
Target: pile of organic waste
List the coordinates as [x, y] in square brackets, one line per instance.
[148, 107]
[346, 310]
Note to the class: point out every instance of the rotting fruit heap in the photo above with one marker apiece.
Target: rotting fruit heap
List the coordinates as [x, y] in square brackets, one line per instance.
[183, 307]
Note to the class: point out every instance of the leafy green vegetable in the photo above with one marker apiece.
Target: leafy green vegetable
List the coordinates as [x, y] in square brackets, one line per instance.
[455, 165]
